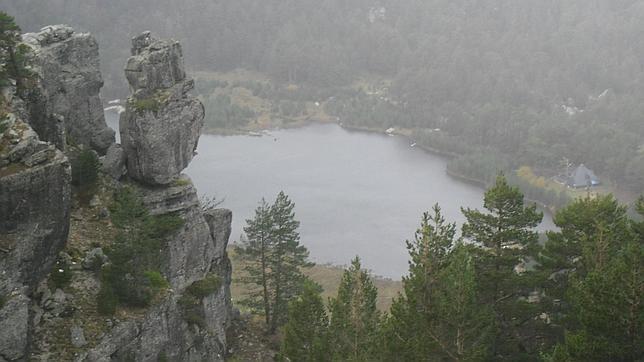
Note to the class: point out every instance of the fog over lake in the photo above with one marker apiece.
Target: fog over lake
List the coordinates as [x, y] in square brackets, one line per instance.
[355, 193]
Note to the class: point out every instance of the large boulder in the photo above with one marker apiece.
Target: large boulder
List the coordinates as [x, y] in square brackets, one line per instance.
[161, 124]
[67, 64]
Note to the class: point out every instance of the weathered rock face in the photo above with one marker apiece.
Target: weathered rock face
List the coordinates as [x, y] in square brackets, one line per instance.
[113, 163]
[34, 206]
[161, 124]
[67, 64]
[190, 254]
[34, 223]
[196, 251]
[14, 334]
[161, 334]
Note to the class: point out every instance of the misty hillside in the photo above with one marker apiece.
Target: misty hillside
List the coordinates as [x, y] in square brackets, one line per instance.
[543, 80]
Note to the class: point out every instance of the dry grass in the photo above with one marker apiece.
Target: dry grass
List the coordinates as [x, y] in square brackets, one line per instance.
[328, 276]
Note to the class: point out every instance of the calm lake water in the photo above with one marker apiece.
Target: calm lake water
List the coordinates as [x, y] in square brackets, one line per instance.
[355, 193]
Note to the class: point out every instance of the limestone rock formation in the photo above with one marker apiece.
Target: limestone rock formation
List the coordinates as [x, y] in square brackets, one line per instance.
[34, 223]
[161, 124]
[113, 163]
[67, 97]
[191, 253]
[34, 205]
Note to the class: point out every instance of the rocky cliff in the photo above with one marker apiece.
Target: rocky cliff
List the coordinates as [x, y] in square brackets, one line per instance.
[52, 243]
[34, 223]
[66, 106]
[161, 124]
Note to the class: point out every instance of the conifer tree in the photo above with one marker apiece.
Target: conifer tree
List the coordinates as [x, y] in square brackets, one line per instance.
[593, 272]
[507, 240]
[14, 56]
[306, 331]
[438, 317]
[255, 251]
[273, 259]
[353, 329]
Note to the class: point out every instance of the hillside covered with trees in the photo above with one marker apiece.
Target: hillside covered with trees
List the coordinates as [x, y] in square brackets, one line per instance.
[538, 80]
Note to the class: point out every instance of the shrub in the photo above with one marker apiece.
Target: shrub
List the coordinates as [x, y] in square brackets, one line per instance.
[60, 275]
[204, 287]
[190, 301]
[3, 301]
[85, 168]
[106, 300]
[135, 254]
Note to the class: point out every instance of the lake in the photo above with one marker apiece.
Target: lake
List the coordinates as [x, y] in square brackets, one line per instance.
[355, 193]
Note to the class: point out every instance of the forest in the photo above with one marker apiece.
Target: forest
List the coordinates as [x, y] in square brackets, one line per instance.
[494, 291]
[542, 81]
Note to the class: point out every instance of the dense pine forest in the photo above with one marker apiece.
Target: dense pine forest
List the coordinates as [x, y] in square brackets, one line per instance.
[534, 83]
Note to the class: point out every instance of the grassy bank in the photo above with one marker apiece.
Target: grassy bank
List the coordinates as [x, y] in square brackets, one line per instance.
[328, 276]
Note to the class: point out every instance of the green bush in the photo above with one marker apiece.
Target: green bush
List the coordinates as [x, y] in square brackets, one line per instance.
[135, 254]
[147, 105]
[190, 301]
[85, 168]
[60, 275]
[107, 300]
[3, 300]
[204, 287]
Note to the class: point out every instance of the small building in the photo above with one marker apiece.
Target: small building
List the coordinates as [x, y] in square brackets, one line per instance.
[582, 177]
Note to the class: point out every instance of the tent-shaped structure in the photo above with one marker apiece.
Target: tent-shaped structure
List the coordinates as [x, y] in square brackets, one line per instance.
[583, 177]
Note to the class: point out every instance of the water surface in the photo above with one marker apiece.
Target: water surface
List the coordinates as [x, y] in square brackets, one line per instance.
[355, 193]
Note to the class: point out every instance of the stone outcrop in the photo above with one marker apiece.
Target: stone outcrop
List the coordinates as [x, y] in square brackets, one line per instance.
[161, 124]
[67, 97]
[34, 206]
[34, 224]
[159, 131]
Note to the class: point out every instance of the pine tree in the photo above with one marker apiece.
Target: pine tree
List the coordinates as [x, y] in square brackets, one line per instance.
[353, 329]
[306, 331]
[255, 252]
[14, 56]
[591, 230]
[506, 239]
[595, 267]
[287, 259]
[273, 259]
[438, 317]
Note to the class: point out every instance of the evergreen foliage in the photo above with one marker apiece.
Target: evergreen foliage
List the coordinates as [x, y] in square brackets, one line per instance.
[354, 322]
[306, 332]
[274, 259]
[132, 278]
[439, 316]
[14, 56]
[507, 240]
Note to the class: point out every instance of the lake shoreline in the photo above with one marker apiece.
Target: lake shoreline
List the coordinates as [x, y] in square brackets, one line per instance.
[406, 133]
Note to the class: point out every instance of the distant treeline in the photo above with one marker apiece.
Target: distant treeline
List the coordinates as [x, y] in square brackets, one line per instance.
[537, 80]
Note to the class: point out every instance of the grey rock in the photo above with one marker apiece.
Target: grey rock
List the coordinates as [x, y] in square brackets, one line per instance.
[161, 330]
[189, 254]
[78, 336]
[67, 64]
[93, 258]
[154, 64]
[14, 334]
[113, 163]
[95, 201]
[161, 124]
[35, 206]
